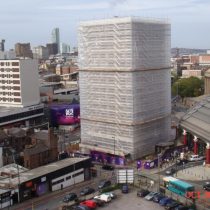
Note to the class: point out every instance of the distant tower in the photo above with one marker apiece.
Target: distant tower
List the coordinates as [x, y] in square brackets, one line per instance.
[55, 37]
[2, 45]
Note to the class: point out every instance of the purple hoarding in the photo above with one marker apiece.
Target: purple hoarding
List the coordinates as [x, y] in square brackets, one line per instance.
[65, 114]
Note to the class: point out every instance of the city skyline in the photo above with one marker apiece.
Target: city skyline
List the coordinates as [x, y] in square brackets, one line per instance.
[33, 21]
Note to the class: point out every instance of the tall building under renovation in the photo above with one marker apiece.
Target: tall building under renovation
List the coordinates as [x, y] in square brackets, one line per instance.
[124, 85]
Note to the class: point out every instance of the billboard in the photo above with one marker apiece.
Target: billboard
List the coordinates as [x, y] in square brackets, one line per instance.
[65, 114]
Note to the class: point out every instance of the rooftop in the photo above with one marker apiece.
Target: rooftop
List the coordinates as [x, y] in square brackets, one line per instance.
[40, 171]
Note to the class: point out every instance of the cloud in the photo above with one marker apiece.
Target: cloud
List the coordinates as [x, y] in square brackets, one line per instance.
[81, 6]
[115, 3]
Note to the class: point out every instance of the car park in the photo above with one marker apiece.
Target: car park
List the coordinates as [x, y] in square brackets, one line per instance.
[206, 186]
[70, 197]
[87, 191]
[81, 207]
[125, 188]
[108, 167]
[103, 197]
[158, 197]
[99, 202]
[89, 203]
[181, 207]
[164, 201]
[150, 196]
[196, 158]
[104, 184]
[142, 193]
[171, 205]
[111, 194]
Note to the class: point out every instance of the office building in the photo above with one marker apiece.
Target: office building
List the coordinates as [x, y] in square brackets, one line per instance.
[55, 37]
[125, 85]
[64, 48]
[19, 84]
[2, 45]
[52, 48]
[40, 52]
[23, 50]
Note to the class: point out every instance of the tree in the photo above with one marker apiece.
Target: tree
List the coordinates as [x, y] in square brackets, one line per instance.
[188, 87]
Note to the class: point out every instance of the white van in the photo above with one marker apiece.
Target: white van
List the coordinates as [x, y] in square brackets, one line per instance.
[104, 197]
[195, 158]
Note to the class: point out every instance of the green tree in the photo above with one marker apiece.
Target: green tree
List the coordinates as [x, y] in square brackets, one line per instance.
[188, 87]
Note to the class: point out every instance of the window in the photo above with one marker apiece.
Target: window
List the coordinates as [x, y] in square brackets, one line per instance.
[77, 174]
[15, 63]
[58, 182]
[68, 177]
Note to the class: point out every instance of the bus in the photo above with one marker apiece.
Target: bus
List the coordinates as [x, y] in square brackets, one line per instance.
[180, 187]
[167, 179]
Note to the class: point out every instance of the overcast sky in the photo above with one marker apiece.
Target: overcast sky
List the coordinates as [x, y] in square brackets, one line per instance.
[33, 20]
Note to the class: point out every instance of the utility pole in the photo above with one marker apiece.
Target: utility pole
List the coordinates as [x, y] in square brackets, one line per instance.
[159, 155]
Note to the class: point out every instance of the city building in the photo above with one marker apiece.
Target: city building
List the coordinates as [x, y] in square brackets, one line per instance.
[52, 48]
[125, 85]
[64, 48]
[23, 50]
[192, 73]
[2, 45]
[7, 55]
[40, 52]
[55, 37]
[19, 84]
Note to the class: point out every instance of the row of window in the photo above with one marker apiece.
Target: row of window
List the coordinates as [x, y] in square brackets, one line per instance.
[9, 70]
[10, 93]
[67, 178]
[9, 63]
[10, 76]
[21, 115]
[10, 87]
[16, 100]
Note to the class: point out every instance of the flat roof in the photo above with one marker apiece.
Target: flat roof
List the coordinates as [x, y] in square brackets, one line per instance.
[10, 110]
[40, 171]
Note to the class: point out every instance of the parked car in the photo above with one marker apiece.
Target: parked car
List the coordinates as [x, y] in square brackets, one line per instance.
[108, 167]
[99, 202]
[164, 201]
[89, 203]
[158, 197]
[87, 191]
[81, 207]
[181, 207]
[171, 171]
[125, 188]
[196, 158]
[70, 197]
[112, 194]
[150, 196]
[104, 183]
[104, 197]
[171, 205]
[206, 186]
[142, 193]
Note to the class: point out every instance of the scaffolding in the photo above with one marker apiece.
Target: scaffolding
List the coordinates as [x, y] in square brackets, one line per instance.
[124, 84]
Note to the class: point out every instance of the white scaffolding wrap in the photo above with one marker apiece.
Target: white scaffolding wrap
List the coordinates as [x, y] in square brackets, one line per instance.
[125, 84]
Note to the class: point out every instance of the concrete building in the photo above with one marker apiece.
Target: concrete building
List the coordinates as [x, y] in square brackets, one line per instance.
[7, 54]
[19, 84]
[124, 81]
[2, 45]
[55, 37]
[64, 48]
[40, 52]
[23, 50]
[52, 48]
[191, 73]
